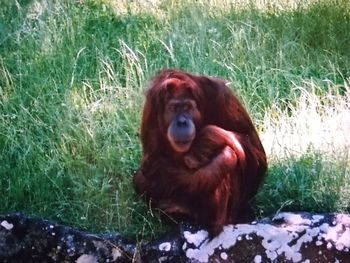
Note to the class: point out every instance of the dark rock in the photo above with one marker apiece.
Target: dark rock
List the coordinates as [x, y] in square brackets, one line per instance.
[287, 237]
[26, 239]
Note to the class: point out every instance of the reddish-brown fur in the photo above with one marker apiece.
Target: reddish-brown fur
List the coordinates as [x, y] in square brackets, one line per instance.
[212, 182]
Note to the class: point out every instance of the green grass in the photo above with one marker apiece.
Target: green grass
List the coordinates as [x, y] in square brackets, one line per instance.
[72, 75]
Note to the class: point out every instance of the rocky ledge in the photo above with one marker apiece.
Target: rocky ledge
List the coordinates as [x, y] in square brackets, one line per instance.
[285, 237]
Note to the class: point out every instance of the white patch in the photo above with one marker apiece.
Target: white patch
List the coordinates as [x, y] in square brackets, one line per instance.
[201, 256]
[306, 261]
[335, 235]
[196, 238]
[257, 259]
[294, 219]
[319, 243]
[339, 247]
[286, 240]
[51, 226]
[165, 246]
[275, 240]
[223, 255]
[315, 231]
[329, 245]
[225, 239]
[345, 238]
[6, 225]
[85, 258]
[343, 219]
[324, 227]
[317, 218]
[116, 253]
[271, 254]
[332, 232]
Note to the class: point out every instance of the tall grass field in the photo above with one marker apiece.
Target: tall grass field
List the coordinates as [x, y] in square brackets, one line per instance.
[72, 81]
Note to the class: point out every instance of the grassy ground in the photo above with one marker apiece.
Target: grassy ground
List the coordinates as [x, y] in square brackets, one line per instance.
[72, 75]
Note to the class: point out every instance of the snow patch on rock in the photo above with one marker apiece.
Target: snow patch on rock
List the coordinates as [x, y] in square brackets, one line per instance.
[165, 246]
[6, 225]
[285, 239]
